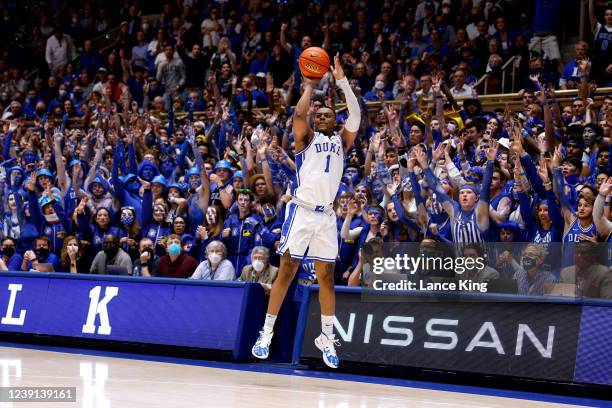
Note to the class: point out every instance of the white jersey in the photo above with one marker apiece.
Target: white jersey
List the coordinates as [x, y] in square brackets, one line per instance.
[319, 170]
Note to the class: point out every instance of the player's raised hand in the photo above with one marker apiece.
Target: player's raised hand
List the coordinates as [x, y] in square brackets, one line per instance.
[336, 69]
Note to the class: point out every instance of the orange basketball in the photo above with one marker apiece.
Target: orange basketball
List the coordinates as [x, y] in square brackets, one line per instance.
[314, 62]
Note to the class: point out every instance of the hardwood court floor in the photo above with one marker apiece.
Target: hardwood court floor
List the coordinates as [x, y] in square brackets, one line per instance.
[109, 382]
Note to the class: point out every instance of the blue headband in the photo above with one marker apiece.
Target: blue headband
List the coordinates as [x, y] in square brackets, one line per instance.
[470, 187]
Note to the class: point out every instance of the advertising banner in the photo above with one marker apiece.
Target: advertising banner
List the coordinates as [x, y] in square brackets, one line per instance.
[154, 311]
[522, 339]
[594, 357]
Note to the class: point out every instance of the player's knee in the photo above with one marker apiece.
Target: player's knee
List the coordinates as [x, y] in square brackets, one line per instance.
[326, 279]
[288, 267]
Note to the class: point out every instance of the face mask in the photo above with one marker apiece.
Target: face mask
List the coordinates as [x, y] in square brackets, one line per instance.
[51, 217]
[74, 248]
[528, 262]
[258, 265]
[536, 71]
[451, 127]
[214, 258]
[174, 249]
[8, 251]
[41, 253]
[111, 251]
[145, 26]
[127, 219]
[62, 93]
[41, 112]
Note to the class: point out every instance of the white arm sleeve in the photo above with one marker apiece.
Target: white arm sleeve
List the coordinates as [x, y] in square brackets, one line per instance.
[354, 117]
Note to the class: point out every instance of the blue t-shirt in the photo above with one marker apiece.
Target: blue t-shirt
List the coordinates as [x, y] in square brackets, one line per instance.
[546, 17]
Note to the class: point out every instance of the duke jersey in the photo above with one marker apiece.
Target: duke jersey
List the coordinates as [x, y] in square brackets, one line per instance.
[465, 229]
[319, 170]
[572, 237]
[603, 39]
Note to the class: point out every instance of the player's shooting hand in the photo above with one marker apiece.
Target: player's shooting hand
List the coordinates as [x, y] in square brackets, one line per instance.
[336, 69]
[310, 82]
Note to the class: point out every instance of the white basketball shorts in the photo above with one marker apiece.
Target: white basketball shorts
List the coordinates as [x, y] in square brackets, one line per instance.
[304, 229]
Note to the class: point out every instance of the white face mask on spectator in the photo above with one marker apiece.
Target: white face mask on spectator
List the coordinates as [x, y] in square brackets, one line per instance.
[214, 258]
[51, 217]
[258, 265]
[451, 127]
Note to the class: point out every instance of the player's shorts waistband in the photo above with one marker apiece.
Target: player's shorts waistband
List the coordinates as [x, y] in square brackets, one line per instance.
[327, 209]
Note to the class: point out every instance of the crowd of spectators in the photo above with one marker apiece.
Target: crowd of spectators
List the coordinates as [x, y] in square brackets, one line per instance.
[181, 161]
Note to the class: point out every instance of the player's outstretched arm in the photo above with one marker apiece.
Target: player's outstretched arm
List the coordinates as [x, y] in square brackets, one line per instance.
[302, 133]
[351, 126]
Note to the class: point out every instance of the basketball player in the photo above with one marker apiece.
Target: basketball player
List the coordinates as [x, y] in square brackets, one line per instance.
[310, 223]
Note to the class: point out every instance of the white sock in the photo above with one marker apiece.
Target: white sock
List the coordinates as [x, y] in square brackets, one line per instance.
[269, 323]
[327, 325]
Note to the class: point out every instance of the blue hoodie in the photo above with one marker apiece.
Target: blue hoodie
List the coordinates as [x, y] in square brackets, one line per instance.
[55, 231]
[124, 190]
[147, 165]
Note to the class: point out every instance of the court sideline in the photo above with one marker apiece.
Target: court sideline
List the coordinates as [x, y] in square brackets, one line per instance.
[105, 382]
